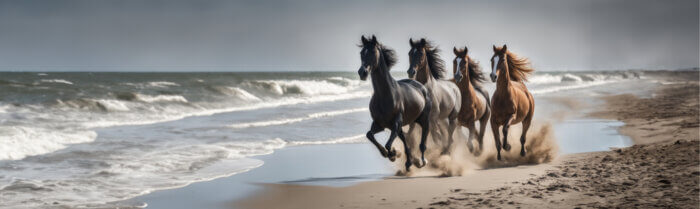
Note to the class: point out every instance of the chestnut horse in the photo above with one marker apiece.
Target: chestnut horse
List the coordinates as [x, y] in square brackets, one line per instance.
[512, 103]
[476, 105]
[393, 104]
[427, 68]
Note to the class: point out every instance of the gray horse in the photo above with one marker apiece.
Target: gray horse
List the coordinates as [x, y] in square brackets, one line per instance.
[393, 104]
[427, 68]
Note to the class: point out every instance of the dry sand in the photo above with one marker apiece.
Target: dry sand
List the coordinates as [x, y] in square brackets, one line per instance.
[661, 171]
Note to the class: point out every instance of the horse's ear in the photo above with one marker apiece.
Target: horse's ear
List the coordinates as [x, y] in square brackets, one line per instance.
[374, 39]
[494, 48]
[364, 40]
[504, 49]
[422, 41]
[454, 49]
[466, 50]
[410, 41]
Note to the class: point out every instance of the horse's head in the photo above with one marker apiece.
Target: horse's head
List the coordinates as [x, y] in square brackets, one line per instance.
[417, 56]
[459, 66]
[497, 60]
[369, 56]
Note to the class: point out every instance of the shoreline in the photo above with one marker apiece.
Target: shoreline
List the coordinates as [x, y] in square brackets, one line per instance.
[572, 180]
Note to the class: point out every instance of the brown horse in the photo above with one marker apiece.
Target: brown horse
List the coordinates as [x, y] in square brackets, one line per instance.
[512, 103]
[476, 105]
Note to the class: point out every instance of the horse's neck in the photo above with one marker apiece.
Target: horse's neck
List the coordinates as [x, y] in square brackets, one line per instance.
[382, 82]
[503, 81]
[424, 76]
[467, 88]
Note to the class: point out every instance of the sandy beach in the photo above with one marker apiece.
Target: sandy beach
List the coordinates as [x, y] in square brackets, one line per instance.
[661, 169]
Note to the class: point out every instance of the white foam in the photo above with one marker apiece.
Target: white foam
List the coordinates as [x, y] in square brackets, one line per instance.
[113, 105]
[544, 79]
[17, 142]
[177, 114]
[162, 84]
[240, 93]
[161, 98]
[133, 174]
[305, 87]
[570, 78]
[342, 140]
[56, 81]
[295, 120]
[568, 87]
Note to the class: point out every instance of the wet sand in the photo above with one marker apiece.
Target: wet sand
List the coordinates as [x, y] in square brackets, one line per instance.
[661, 170]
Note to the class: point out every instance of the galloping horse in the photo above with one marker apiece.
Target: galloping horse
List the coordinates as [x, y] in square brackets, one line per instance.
[512, 103]
[475, 101]
[393, 104]
[426, 67]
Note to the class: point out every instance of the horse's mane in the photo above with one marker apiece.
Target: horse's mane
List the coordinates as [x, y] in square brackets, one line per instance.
[388, 54]
[518, 67]
[436, 64]
[475, 75]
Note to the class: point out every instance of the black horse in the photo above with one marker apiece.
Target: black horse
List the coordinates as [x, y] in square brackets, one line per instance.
[393, 104]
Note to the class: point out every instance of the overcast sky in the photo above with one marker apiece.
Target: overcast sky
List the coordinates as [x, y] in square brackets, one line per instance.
[323, 35]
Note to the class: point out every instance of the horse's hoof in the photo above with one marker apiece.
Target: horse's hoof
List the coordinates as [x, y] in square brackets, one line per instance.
[392, 158]
[477, 153]
[422, 164]
[522, 153]
[506, 147]
[445, 152]
[499, 157]
[391, 153]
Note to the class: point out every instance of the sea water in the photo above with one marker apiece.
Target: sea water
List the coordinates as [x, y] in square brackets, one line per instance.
[84, 139]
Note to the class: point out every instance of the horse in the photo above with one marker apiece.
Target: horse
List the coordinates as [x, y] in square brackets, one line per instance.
[394, 104]
[476, 105]
[427, 67]
[511, 103]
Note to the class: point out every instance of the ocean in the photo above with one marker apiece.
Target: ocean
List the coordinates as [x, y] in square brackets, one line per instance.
[85, 139]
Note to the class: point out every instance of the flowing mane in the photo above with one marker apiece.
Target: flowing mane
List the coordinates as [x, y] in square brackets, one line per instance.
[518, 67]
[436, 64]
[475, 75]
[389, 56]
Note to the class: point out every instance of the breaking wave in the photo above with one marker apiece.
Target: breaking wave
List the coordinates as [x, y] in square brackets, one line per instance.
[553, 78]
[295, 120]
[19, 141]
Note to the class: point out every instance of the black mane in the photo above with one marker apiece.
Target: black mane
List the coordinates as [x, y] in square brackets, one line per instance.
[389, 55]
[436, 64]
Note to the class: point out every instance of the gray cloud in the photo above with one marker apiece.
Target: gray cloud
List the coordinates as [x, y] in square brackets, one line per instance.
[322, 35]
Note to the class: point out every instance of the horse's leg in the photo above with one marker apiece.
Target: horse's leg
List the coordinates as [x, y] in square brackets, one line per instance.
[470, 140]
[482, 127]
[496, 138]
[506, 125]
[437, 131]
[391, 154]
[406, 148]
[526, 126]
[451, 127]
[370, 135]
[424, 122]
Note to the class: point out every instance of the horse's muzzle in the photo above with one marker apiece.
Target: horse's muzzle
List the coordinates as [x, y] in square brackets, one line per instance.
[458, 77]
[363, 73]
[411, 72]
[493, 77]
